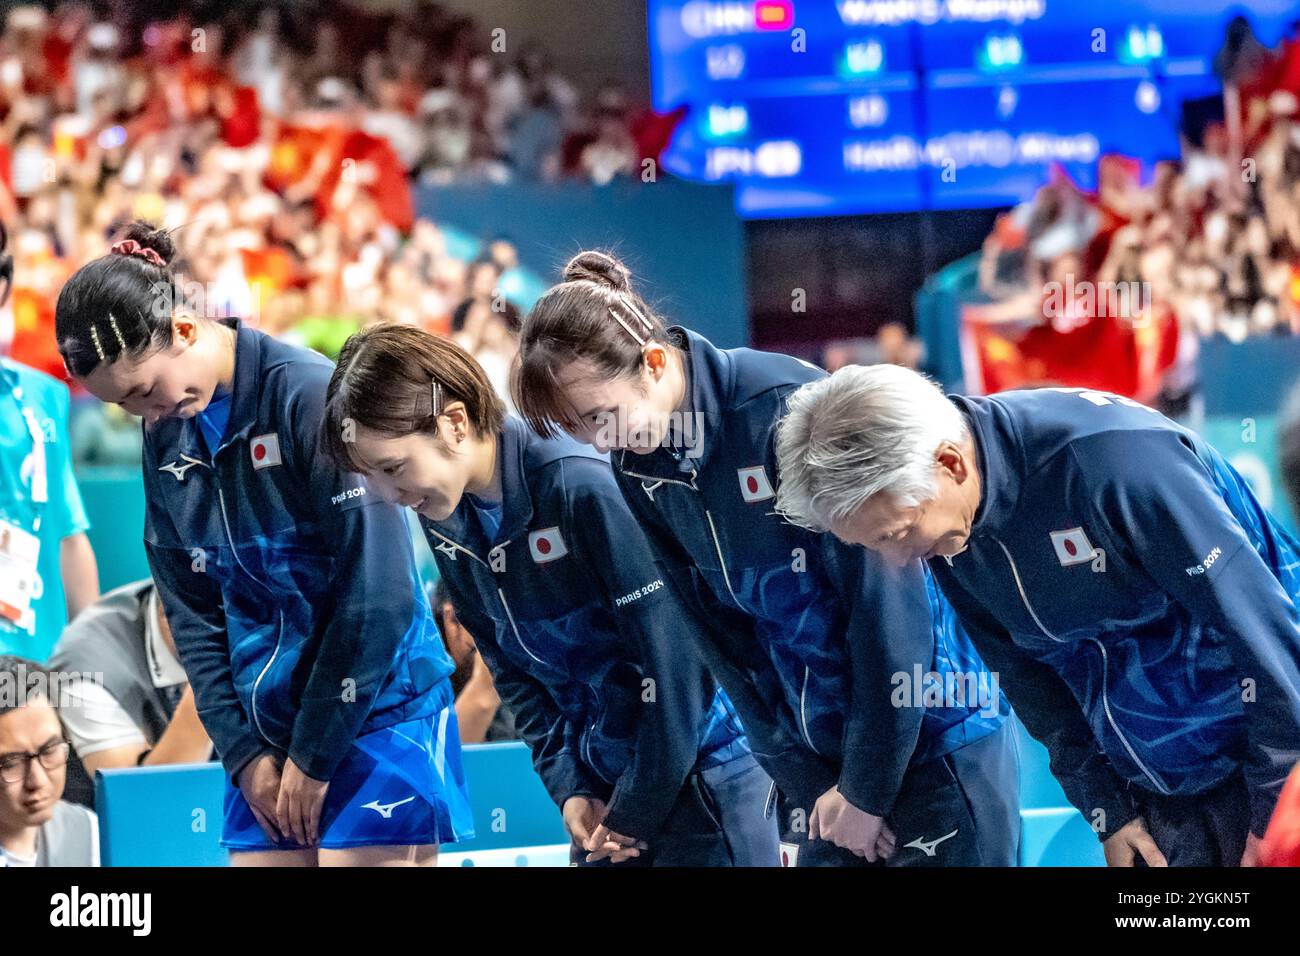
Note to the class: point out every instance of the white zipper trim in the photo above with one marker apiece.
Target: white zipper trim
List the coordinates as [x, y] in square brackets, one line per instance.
[1105, 677]
[510, 615]
[1105, 703]
[234, 552]
[722, 562]
[803, 692]
[803, 711]
[500, 592]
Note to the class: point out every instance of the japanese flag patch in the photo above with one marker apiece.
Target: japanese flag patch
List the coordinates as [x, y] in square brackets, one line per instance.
[546, 545]
[1072, 547]
[265, 450]
[754, 485]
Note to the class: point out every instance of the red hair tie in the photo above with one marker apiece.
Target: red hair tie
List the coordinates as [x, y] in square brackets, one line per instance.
[129, 247]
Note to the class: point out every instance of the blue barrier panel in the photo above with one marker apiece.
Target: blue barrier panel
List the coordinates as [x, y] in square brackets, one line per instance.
[161, 816]
[1052, 832]
[1250, 443]
[1038, 788]
[511, 807]
[1058, 837]
[1248, 378]
[1245, 387]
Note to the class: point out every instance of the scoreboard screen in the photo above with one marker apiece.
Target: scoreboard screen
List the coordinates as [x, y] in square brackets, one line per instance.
[832, 107]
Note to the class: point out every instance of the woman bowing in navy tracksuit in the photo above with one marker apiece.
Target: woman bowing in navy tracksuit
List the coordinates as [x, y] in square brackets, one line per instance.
[571, 610]
[291, 591]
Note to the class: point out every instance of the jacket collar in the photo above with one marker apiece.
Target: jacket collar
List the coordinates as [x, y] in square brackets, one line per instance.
[461, 526]
[998, 453]
[243, 396]
[709, 383]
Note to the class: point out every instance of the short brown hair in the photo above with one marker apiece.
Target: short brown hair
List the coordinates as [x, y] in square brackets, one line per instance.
[386, 380]
[593, 315]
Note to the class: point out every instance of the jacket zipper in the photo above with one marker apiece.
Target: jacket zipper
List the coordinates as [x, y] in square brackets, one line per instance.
[708, 517]
[518, 637]
[500, 592]
[279, 636]
[803, 692]
[662, 481]
[1105, 666]
[803, 716]
[722, 563]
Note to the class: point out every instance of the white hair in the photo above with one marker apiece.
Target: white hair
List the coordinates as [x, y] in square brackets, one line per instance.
[854, 434]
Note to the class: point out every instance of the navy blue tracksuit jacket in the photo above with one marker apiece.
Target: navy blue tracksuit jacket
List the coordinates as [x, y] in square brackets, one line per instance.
[587, 642]
[1139, 603]
[290, 588]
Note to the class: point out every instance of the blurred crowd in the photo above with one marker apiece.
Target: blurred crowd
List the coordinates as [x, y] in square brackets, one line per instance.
[1212, 242]
[282, 146]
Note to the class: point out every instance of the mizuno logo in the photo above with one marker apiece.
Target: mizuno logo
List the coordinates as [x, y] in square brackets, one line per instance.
[385, 810]
[446, 548]
[928, 848]
[177, 469]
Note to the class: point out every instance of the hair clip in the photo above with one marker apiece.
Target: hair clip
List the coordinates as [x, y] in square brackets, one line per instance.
[627, 301]
[99, 349]
[630, 331]
[435, 396]
[112, 320]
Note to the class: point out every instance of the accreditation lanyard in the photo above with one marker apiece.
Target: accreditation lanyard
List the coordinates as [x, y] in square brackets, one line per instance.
[20, 581]
[36, 463]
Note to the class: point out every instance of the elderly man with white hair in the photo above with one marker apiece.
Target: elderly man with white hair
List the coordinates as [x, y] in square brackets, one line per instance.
[1136, 600]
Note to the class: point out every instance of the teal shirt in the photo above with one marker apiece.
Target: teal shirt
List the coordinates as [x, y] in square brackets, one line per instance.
[59, 517]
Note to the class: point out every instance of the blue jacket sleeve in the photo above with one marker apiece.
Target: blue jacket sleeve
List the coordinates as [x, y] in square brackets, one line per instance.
[374, 587]
[1158, 503]
[654, 623]
[196, 616]
[549, 736]
[889, 632]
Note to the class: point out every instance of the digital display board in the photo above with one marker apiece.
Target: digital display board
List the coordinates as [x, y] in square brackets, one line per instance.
[831, 107]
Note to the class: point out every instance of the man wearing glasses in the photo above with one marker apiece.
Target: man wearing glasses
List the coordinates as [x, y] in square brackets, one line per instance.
[37, 828]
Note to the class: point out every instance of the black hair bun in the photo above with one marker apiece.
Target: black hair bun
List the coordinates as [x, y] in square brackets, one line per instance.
[158, 240]
[600, 268]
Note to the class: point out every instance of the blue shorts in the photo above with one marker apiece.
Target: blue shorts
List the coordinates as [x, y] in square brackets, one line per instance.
[402, 785]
